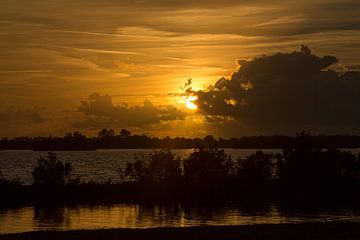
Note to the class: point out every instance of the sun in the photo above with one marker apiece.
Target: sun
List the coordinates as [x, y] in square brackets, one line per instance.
[189, 102]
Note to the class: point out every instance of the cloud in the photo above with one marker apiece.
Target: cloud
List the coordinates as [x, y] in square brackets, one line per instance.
[12, 116]
[49, 59]
[101, 112]
[285, 93]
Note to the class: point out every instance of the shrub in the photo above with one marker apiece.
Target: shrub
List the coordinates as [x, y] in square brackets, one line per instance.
[208, 166]
[255, 170]
[52, 172]
[157, 167]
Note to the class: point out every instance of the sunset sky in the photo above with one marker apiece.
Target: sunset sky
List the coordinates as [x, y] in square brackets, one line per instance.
[83, 65]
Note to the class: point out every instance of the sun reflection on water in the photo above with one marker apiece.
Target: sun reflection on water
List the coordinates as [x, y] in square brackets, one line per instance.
[148, 216]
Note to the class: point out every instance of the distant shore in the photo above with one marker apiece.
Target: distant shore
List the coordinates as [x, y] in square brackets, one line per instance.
[330, 230]
[107, 139]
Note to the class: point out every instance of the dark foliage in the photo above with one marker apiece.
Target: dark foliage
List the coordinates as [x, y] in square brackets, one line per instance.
[256, 171]
[159, 167]
[107, 138]
[304, 174]
[310, 171]
[208, 167]
[51, 172]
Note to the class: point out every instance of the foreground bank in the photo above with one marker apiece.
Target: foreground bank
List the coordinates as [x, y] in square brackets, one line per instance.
[333, 230]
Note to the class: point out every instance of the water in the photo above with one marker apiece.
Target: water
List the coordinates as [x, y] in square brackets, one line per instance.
[97, 165]
[103, 164]
[148, 216]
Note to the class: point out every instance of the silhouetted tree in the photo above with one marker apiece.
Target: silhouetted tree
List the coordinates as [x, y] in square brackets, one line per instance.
[208, 167]
[209, 142]
[51, 172]
[158, 167]
[308, 170]
[256, 170]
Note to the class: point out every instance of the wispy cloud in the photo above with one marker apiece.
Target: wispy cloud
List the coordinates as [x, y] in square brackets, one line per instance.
[103, 51]
[281, 21]
[25, 71]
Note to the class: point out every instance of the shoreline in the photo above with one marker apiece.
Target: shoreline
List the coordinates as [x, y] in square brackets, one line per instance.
[329, 230]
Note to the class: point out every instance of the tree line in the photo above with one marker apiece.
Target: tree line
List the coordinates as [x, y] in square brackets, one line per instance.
[110, 139]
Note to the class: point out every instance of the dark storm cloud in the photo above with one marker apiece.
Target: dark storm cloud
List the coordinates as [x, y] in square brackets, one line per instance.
[286, 92]
[100, 111]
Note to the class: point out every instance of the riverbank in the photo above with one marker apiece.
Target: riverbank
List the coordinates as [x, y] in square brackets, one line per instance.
[331, 230]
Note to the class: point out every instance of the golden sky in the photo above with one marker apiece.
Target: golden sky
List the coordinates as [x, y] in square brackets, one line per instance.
[130, 58]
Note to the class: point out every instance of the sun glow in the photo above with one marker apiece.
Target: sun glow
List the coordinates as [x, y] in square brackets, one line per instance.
[190, 102]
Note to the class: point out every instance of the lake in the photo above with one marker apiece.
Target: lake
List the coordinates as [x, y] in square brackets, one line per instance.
[97, 165]
[103, 164]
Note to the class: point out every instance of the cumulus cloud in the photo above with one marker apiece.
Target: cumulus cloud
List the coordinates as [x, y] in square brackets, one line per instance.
[285, 93]
[101, 112]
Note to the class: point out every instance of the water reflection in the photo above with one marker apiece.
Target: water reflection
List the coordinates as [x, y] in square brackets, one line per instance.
[146, 216]
[52, 218]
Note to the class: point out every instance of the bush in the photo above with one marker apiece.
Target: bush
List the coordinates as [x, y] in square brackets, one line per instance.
[51, 172]
[208, 167]
[256, 170]
[313, 172]
[160, 167]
